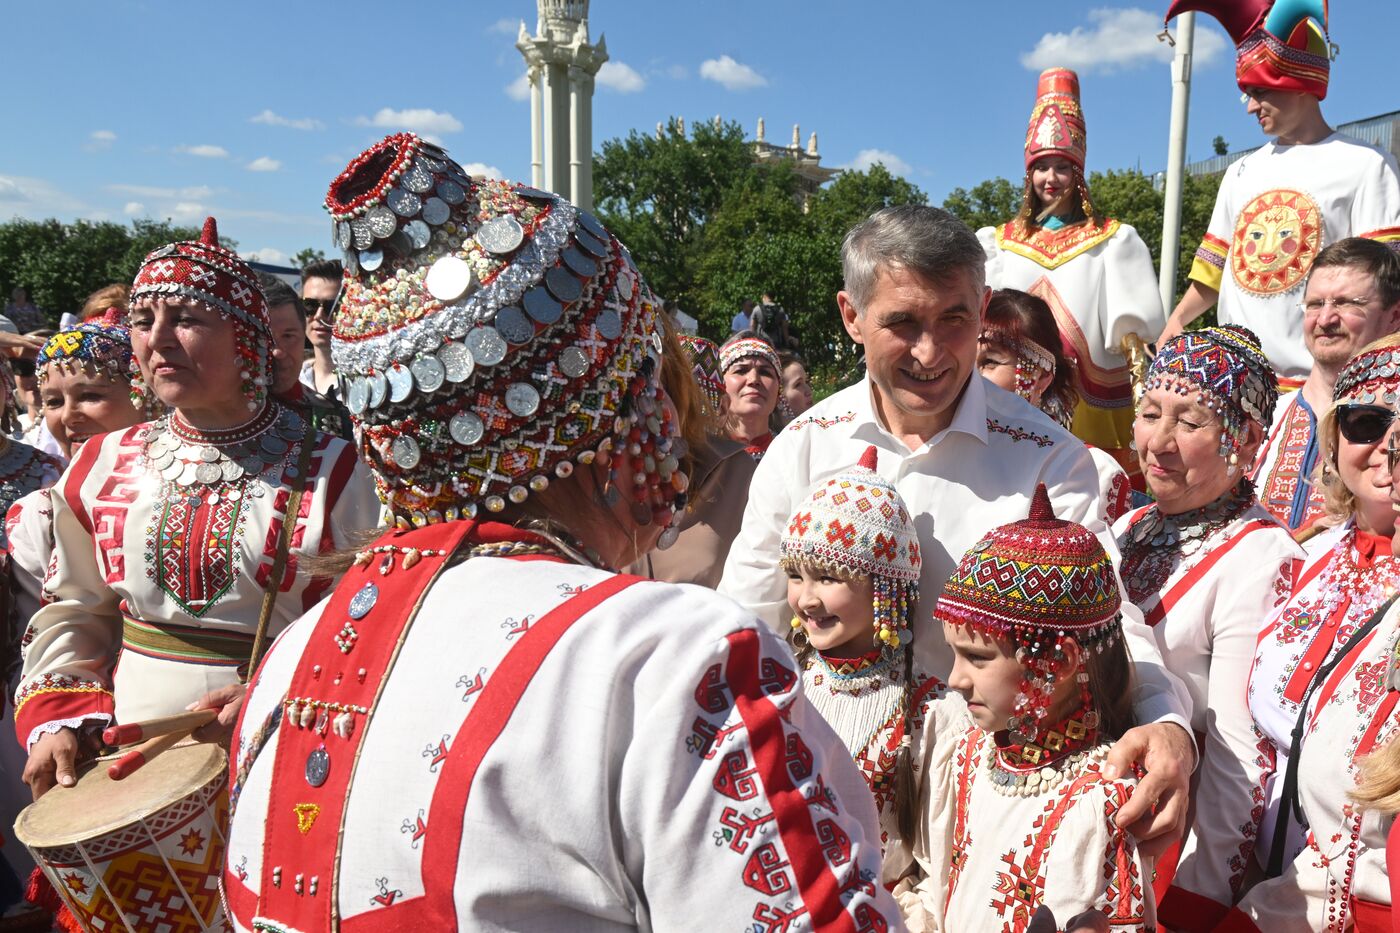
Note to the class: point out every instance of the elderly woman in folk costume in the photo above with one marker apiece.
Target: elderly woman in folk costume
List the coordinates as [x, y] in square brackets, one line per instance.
[1094, 272]
[532, 446]
[753, 380]
[1020, 351]
[172, 543]
[1318, 652]
[1207, 564]
[695, 547]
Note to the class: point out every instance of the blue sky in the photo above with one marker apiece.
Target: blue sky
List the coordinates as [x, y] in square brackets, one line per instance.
[127, 108]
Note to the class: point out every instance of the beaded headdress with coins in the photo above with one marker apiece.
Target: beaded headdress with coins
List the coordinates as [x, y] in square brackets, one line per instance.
[492, 336]
[1033, 583]
[856, 524]
[742, 348]
[205, 272]
[704, 365]
[1372, 377]
[100, 347]
[1228, 370]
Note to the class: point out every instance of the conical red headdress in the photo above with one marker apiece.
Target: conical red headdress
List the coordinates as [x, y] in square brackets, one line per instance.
[1282, 44]
[1057, 120]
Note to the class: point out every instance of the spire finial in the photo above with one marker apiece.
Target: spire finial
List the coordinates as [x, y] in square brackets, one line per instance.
[1041, 510]
[210, 234]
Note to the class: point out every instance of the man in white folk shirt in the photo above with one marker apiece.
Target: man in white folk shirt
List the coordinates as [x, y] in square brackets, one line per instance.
[963, 453]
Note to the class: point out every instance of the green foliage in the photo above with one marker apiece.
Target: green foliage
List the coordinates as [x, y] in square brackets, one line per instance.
[61, 264]
[989, 203]
[1220, 146]
[306, 257]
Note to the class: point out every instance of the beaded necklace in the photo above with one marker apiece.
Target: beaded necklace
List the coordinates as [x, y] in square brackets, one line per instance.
[1366, 587]
[859, 674]
[186, 456]
[1022, 769]
[1154, 544]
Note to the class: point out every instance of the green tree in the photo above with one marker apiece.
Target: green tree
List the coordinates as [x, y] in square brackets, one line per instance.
[61, 264]
[989, 203]
[657, 195]
[1220, 146]
[306, 257]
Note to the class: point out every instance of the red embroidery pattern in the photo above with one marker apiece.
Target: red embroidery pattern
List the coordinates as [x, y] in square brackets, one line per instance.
[56, 683]
[1264, 761]
[1280, 487]
[801, 423]
[1053, 248]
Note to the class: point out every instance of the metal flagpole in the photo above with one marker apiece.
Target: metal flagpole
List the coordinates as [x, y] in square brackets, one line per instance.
[1176, 157]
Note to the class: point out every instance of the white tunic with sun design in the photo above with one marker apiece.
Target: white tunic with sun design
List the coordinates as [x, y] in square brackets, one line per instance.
[1278, 207]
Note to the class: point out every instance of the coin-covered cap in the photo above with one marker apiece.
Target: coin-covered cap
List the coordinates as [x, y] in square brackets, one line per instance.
[1371, 377]
[101, 347]
[491, 336]
[1226, 366]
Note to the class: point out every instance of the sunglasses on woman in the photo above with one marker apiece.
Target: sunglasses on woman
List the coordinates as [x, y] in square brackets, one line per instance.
[1364, 424]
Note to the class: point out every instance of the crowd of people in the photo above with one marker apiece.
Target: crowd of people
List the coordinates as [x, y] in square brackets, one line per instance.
[515, 608]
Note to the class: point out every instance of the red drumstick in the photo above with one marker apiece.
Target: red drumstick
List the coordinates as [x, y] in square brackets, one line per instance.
[131, 762]
[130, 732]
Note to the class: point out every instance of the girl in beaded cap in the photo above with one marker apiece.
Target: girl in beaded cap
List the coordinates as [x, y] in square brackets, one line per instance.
[1025, 816]
[852, 560]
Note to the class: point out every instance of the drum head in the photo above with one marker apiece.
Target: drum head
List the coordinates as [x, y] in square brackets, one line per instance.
[96, 805]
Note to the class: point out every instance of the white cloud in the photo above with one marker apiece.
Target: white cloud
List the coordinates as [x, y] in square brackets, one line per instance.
[419, 120]
[868, 157]
[519, 89]
[1115, 40]
[504, 27]
[268, 255]
[35, 197]
[99, 140]
[482, 170]
[733, 75]
[678, 72]
[620, 77]
[186, 212]
[264, 164]
[204, 151]
[274, 119]
[134, 209]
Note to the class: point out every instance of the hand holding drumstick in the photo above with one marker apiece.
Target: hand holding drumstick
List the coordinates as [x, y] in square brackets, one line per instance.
[210, 719]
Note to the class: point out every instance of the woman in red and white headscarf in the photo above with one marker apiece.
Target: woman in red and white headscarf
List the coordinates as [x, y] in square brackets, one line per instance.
[169, 535]
[753, 381]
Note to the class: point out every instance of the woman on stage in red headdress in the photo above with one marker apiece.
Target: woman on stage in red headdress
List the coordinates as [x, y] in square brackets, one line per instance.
[172, 544]
[484, 727]
[1094, 272]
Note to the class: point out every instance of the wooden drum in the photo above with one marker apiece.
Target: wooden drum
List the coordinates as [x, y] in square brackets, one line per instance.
[145, 853]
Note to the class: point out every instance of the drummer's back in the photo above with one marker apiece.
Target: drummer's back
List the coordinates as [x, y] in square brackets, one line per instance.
[589, 788]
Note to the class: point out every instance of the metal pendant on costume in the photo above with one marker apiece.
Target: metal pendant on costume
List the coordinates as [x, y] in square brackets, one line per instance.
[1156, 543]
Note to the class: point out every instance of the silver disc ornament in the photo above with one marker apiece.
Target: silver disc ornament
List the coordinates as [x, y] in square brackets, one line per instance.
[501, 235]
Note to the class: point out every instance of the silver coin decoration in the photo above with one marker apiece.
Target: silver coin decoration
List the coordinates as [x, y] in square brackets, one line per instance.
[231, 472]
[428, 372]
[608, 324]
[449, 278]
[591, 244]
[457, 362]
[208, 473]
[404, 203]
[625, 286]
[434, 165]
[352, 262]
[590, 223]
[451, 192]
[486, 345]
[363, 601]
[382, 221]
[371, 259]
[563, 284]
[573, 362]
[418, 233]
[534, 194]
[399, 242]
[378, 388]
[579, 263]
[514, 326]
[361, 234]
[436, 211]
[466, 429]
[542, 306]
[405, 452]
[417, 179]
[343, 236]
[501, 235]
[400, 382]
[318, 766]
[357, 395]
[522, 399]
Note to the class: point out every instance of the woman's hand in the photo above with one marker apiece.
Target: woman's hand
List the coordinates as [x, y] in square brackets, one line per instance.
[1156, 810]
[228, 701]
[54, 760]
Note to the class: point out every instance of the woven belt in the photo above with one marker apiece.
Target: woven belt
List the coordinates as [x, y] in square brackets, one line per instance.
[186, 644]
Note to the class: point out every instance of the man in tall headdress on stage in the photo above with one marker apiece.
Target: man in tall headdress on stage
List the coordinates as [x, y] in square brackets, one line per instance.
[1281, 204]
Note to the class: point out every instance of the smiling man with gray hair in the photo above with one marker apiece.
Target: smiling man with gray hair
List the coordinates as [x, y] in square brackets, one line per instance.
[965, 455]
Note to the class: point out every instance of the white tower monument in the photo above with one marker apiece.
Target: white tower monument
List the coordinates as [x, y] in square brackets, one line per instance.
[561, 64]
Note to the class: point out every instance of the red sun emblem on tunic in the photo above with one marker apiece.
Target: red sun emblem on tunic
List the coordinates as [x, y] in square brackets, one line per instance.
[1276, 238]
